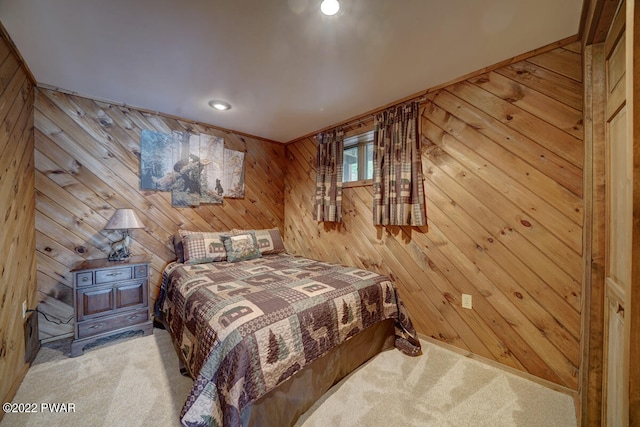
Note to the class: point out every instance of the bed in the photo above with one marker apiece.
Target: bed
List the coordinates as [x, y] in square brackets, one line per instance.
[264, 333]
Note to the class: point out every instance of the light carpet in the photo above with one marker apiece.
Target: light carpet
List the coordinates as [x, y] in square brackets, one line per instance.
[136, 382]
[439, 388]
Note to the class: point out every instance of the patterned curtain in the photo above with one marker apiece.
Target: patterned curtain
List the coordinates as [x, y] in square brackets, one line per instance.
[328, 201]
[398, 191]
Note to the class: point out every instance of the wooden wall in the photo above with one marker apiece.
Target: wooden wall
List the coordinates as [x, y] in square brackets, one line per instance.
[502, 157]
[87, 165]
[17, 238]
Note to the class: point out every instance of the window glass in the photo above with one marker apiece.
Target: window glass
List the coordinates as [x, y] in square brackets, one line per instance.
[350, 165]
[369, 160]
[358, 157]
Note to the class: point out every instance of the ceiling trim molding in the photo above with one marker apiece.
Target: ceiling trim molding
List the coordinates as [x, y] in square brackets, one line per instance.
[156, 113]
[362, 117]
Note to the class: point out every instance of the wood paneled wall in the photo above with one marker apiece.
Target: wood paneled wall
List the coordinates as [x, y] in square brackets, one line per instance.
[502, 157]
[17, 236]
[87, 165]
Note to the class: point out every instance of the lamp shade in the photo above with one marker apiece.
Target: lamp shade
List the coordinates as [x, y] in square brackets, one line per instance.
[123, 219]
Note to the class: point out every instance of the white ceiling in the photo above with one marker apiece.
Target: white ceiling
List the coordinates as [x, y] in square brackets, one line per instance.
[286, 69]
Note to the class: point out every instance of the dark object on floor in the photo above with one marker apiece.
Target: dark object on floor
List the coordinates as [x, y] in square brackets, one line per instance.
[32, 342]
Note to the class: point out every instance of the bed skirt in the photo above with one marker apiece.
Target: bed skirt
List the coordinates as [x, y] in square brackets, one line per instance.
[283, 405]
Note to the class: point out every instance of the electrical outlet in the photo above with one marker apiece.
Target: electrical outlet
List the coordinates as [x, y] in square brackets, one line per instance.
[466, 301]
[24, 309]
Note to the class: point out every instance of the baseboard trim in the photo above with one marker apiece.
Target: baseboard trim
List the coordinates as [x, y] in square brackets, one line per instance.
[527, 376]
[57, 338]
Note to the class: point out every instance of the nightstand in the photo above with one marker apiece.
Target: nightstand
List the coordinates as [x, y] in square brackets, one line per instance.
[111, 297]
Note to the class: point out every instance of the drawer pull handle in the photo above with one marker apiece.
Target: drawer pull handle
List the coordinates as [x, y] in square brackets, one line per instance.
[134, 317]
[96, 326]
[84, 279]
[117, 273]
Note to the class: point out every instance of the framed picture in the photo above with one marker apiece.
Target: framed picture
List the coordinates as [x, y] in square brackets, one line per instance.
[195, 168]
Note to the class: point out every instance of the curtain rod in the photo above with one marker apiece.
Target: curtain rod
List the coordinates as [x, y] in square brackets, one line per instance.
[368, 116]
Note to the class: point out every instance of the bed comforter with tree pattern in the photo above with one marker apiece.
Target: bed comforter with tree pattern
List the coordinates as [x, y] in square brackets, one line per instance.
[243, 328]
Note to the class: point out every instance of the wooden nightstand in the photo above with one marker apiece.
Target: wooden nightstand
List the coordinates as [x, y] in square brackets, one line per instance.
[111, 297]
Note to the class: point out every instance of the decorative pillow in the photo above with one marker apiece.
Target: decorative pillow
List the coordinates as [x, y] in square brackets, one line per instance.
[200, 247]
[241, 247]
[269, 241]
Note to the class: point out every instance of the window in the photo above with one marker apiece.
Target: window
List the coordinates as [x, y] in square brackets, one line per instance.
[358, 158]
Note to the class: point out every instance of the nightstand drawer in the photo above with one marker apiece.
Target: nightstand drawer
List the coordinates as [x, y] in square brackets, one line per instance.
[84, 279]
[99, 326]
[140, 271]
[113, 275]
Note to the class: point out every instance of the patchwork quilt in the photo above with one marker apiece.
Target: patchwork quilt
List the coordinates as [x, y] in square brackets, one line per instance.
[243, 328]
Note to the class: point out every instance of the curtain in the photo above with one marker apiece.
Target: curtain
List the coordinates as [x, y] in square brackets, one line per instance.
[328, 200]
[398, 191]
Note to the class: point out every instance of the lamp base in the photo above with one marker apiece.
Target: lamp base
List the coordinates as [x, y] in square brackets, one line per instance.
[120, 249]
[118, 256]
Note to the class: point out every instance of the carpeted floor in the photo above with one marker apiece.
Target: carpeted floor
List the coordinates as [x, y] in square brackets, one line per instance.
[136, 382]
[131, 382]
[439, 388]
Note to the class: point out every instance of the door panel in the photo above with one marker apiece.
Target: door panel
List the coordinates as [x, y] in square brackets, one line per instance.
[620, 200]
[615, 344]
[619, 225]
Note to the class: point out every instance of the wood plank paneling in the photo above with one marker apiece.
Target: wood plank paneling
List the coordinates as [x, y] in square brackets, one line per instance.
[503, 157]
[87, 164]
[17, 239]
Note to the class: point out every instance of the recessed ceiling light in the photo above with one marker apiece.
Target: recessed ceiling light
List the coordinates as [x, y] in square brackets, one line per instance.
[220, 105]
[330, 7]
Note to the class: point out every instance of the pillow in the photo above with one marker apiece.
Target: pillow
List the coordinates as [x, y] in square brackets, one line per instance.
[241, 247]
[200, 247]
[269, 241]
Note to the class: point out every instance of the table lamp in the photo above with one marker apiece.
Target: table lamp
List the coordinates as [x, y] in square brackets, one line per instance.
[123, 220]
